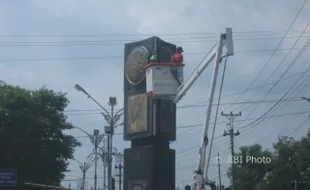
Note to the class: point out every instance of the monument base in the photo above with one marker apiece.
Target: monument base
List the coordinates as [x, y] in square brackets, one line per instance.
[149, 167]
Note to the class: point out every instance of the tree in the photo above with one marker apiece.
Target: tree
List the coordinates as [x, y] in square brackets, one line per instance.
[32, 139]
[211, 184]
[250, 172]
[290, 163]
[187, 187]
[293, 163]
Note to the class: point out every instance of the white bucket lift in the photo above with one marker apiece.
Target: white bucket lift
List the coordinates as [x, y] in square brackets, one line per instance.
[161, 83]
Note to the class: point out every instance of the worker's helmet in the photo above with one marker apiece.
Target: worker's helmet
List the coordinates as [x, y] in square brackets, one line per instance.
[180, 49]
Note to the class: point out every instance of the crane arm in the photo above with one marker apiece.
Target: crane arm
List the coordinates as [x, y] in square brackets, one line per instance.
[200, 177]
[195, 74]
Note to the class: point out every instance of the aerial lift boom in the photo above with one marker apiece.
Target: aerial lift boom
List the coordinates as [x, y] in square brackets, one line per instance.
[162, 84]
[217, 53]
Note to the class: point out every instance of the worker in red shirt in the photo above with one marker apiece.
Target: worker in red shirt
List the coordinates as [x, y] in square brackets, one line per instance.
[177, 57]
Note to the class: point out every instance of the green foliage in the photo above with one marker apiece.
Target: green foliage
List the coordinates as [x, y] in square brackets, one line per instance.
[212, 185]
[187, 187]
[291, 161]
[32, 123]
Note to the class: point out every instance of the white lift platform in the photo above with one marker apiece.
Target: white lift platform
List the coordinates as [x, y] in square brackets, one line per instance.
[162, 84]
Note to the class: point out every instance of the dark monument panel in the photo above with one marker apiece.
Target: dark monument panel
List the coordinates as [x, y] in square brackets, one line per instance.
[137, 54]
[149, 168]
[138, 168]
[165, 169]
[166, 119]
[164, 50]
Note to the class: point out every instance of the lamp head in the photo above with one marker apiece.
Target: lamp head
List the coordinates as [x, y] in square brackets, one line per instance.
[112, 101]
[96, 132]
[80, 88]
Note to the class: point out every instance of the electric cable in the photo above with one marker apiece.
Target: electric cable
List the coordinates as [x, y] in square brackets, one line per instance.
[273, 53]
[110, 43]
[246, 131]
[299, 127]
[142, 34]
[90, 111]
[291, 64]
[104, 58]
[274, 71]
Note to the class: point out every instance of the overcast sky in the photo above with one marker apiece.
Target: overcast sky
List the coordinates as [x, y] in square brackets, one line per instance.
[60, 43]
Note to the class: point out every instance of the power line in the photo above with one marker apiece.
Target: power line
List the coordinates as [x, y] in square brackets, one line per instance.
[144, 34]
[114, 57]
[216, 138]
[289, 120]
[272, 74]
[270, 83]
[274, 52]
[181, 153]
[121, 42]
[276, 104]
[292, 99]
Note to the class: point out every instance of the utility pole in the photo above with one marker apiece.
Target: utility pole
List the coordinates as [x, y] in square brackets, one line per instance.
[219, 167]
[231, 116]
[119, 167]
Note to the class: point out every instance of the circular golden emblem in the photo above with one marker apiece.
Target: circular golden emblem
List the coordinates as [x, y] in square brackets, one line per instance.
[135, 62]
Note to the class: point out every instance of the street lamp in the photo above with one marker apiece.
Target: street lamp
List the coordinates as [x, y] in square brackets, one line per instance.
[84, 168]
[111, 118]
[96, 140]
[79, 88]
[104, 157]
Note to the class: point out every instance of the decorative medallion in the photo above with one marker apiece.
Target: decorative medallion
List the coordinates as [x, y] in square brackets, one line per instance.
[135, 62]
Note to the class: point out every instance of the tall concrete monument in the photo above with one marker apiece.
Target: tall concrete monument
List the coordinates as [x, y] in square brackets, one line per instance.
[150, 124]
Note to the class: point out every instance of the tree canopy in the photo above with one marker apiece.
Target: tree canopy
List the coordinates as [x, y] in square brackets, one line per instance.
[290, 164]
[32, 139]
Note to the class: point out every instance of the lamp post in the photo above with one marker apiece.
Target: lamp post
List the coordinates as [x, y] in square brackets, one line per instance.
[96, 140]
[84, 167]
[111, 118]
[104, 157]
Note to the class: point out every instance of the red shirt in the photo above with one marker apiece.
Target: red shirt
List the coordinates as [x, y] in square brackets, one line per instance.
[177, 58]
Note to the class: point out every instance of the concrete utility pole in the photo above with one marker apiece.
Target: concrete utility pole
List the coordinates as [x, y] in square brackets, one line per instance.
[219, 167]
[111, 118]
[231, 116]
[119, 167]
